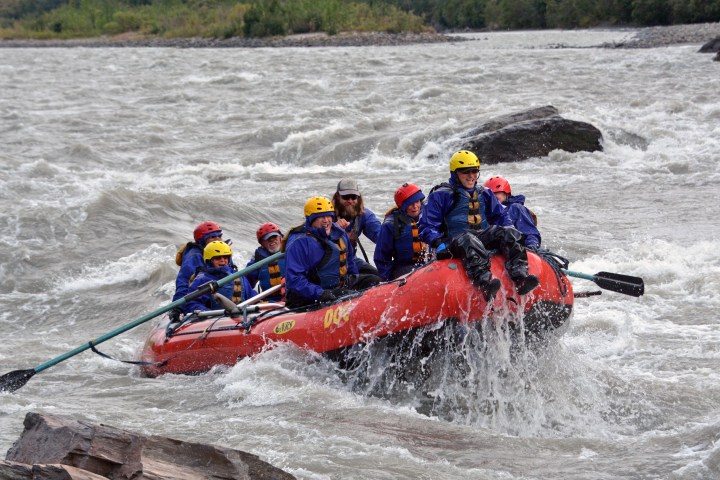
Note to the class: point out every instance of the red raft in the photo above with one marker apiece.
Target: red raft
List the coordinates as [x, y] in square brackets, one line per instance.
[439, 292]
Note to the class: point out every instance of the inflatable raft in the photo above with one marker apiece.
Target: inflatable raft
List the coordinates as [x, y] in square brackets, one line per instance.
[438, 293]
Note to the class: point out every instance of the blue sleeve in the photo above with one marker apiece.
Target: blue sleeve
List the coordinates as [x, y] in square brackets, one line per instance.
[371, 226]
[495, 212]
[384, 250]
[301, 256]
[201, 302]
[187, 270]
[522, 220]
[248, 290]
[254, 275]
[433, 216]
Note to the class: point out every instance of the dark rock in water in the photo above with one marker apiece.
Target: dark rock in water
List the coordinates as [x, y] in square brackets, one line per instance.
[532, 133]
[54, 447]
[711, 47]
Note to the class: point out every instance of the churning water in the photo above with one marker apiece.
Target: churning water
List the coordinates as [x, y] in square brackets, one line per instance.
[110, 157]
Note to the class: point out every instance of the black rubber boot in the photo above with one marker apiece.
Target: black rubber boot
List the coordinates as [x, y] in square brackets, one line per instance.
[491, 289]
[526, 284]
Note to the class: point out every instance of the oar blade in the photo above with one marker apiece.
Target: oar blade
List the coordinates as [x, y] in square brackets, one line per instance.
[633, 286]
[15, 380]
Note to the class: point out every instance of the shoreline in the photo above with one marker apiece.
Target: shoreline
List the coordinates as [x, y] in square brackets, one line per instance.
[646, 37]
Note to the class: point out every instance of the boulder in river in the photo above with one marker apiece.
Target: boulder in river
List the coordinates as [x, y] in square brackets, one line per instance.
[531, 133]
[55, 447]
[711, 47]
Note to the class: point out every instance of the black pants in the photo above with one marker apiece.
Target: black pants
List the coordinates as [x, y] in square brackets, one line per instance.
[360, 282]
[472, 247]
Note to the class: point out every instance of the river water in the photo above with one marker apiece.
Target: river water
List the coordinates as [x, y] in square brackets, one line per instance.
[110, 157]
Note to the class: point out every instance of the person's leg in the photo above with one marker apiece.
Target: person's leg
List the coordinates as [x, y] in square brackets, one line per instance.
[476, 261]
[508, 241]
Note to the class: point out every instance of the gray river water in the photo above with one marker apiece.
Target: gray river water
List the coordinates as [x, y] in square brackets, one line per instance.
[110, 157]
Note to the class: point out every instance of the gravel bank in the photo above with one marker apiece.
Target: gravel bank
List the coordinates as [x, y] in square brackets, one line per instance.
[349, 39]
[652, 37]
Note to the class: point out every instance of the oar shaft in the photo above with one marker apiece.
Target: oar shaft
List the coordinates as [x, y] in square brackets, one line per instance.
[159, 311]
[586, 276]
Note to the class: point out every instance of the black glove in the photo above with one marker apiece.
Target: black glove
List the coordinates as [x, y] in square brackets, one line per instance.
[326, 296]
[175, 315]
[341, 292]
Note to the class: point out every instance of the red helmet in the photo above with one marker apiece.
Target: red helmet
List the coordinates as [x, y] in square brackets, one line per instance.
[205, 228]
[498, 184]
[266, 228]
[405, 191]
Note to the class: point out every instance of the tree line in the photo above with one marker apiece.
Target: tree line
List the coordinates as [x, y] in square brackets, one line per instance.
[227, 18]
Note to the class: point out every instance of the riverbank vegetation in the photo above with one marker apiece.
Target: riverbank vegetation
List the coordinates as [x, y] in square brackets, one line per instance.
[259, 18]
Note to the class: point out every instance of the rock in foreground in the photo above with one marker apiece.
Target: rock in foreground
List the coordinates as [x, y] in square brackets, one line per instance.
[54, 447]
[532, 133]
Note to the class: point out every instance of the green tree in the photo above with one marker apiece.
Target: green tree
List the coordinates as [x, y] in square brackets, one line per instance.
[651, 12]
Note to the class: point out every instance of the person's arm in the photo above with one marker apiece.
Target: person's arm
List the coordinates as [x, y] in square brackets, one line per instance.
[522, 220]
[433, 217]
[384, 250]
[299, 260]
[253, 276]
[494, 211]
[201, 302]
[248, 290]
[188, 268]
[372, 225]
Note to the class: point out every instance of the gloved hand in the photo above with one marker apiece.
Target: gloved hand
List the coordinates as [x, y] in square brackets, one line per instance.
[175, 314]
[341, 292]
[533, 248]
[441, 252]
[326, 296]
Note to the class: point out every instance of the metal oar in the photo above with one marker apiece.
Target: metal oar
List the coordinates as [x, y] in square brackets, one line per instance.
[18, 378]
[615, 282]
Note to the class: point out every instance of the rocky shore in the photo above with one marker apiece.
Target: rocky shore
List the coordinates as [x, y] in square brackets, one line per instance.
[650, 37]
[653, 37]
[345, 39]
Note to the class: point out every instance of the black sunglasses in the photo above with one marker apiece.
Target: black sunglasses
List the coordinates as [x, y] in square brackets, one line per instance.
[349, 197]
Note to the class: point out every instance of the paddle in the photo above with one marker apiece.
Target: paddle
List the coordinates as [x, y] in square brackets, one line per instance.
[615, 282]
[18, 378]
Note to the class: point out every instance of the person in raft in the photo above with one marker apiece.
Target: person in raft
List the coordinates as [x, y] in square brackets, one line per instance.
[217, 257]
[352, 216]
[269, 237]
[189, 258]
[520, 216]
[319, 259]
[462, 220]
[399, 249]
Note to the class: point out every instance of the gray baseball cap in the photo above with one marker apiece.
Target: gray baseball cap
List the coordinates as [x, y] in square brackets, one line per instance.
[348, 186]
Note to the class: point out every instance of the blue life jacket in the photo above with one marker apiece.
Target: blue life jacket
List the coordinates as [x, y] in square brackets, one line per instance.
[466, 213]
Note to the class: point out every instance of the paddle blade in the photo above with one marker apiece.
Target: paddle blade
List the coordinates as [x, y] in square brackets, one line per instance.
[15, 380]
[626, 284]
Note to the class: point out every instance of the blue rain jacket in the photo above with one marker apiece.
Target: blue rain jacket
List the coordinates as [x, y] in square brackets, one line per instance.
[522, 220]
[367, 224]
[445, 213]
[207, 301]
[192, 259]
[394, 247]
[305, 252]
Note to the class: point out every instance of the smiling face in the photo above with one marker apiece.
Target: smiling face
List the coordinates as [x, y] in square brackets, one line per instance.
[468, 178]
[271, 244]
[325, 222]
[221, 261]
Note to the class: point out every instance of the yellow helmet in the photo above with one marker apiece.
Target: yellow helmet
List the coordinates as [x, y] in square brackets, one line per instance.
[216, 249]
[318, 205]
[464, 159]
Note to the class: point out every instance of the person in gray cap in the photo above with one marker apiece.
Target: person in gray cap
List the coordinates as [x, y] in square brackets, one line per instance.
[355, 219]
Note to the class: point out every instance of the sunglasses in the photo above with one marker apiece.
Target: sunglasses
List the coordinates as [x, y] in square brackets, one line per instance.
[469, 171]
[349, 197]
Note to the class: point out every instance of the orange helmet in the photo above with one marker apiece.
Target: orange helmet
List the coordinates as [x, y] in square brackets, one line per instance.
[267, 228]
[498, 184]
[405, 192]
[205, 228]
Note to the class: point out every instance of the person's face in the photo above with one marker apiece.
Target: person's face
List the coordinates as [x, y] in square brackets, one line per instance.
[218, 262]
[271, 244]
[414, 209]
[349, 201]
[324, 222]
[468, 179]
[501, 196]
